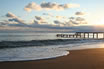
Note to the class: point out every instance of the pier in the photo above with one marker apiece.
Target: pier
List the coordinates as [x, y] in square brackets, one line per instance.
[83, 35]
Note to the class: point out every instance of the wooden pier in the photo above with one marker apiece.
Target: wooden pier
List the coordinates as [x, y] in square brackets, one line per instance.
[83, 35]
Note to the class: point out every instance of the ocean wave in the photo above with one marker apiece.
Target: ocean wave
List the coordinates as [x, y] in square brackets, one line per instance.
[14, 44]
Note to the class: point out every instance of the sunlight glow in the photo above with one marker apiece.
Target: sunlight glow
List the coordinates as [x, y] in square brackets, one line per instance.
[101, 22]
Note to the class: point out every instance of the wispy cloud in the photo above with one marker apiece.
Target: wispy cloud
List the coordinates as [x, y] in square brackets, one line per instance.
[13, 18]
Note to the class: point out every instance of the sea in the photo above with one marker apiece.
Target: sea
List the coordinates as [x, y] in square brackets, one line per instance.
[38, 46]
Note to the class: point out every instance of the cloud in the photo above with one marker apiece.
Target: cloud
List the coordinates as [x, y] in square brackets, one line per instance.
[79, 13]
[11, 15]
[56, 6]
[3, 24]
[36, 22]
[39, 22]
[71, 18]
[80, 19]
[32, 6]
[7, 23]
[73, 21]
[57, 22]
[60, 17]
[49, 6]
[19, 21]
[13, 18]
[64, 23]
[38, 18]
[48, 14]
[71, 5]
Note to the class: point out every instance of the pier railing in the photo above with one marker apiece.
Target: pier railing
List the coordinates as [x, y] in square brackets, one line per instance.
[83, 35]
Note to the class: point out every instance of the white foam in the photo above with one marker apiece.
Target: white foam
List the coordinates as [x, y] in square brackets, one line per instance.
[30, 53]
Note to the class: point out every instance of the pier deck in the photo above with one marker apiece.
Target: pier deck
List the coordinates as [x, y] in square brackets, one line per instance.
[83, 35]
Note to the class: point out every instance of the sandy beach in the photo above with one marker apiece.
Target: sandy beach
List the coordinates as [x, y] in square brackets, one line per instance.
[77, 59]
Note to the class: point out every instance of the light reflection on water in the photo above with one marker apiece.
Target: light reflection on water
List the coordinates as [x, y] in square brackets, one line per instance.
[26, 36]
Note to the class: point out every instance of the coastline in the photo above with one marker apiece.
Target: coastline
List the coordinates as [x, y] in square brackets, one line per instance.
[77, 59]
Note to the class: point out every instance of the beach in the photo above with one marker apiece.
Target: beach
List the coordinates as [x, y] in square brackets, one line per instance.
[52, 34]
[77, 59]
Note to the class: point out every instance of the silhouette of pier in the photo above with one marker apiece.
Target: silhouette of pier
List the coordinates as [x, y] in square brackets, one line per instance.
[83, 35]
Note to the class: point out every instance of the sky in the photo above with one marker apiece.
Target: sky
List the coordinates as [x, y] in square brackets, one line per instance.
[51, 15]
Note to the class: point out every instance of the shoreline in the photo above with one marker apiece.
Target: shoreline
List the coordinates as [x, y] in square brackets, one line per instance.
[48, 58]
[77, 59]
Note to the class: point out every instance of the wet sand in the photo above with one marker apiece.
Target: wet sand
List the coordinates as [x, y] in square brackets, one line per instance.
[77, 59]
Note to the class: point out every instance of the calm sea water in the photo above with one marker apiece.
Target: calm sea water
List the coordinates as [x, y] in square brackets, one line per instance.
[35, 46]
